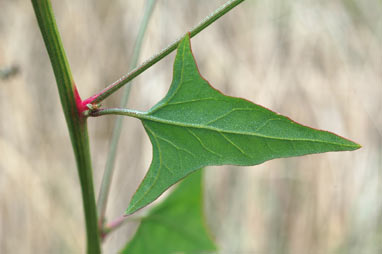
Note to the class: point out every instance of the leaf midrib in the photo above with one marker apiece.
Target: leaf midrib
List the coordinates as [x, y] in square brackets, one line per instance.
[148, 117]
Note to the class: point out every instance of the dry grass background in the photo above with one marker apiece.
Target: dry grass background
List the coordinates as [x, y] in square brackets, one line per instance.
[318, 62]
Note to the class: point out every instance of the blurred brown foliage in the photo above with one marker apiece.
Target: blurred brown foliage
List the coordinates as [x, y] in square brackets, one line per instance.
[318, 62]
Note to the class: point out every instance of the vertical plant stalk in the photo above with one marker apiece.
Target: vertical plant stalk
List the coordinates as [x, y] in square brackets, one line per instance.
[73, 108]
[221, 11]
[109, 168]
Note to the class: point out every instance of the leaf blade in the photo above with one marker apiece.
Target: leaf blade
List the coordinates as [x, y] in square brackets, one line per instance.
[195, 126]
[176, 225]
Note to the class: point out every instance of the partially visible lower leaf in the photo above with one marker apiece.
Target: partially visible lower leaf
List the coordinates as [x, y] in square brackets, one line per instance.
[196, 126]
[176, 225]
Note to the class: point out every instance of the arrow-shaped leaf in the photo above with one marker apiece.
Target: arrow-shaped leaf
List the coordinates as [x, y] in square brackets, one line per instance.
[196, 126]
[176, 225]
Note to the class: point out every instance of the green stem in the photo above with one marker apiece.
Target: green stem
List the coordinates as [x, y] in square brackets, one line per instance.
[119, 111]
[134, 73]
[76, 122]
[109, 167]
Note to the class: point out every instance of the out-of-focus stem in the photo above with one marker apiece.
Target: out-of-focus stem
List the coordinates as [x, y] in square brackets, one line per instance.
[109, 168]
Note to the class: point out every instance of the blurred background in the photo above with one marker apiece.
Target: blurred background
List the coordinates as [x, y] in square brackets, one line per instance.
[318, 62]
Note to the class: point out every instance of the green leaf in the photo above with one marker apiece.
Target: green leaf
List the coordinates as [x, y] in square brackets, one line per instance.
[176, 225]
[196, 126]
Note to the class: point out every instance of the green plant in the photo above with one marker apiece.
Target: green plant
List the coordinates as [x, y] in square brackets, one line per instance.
[192, 127]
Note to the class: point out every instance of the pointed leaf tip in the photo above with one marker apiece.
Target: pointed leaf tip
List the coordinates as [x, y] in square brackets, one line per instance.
[176, 225]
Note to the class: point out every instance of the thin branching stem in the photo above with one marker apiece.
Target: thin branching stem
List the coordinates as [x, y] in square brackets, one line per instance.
[163, 53]
[118, 111]
[120, 221]
[109, 167]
